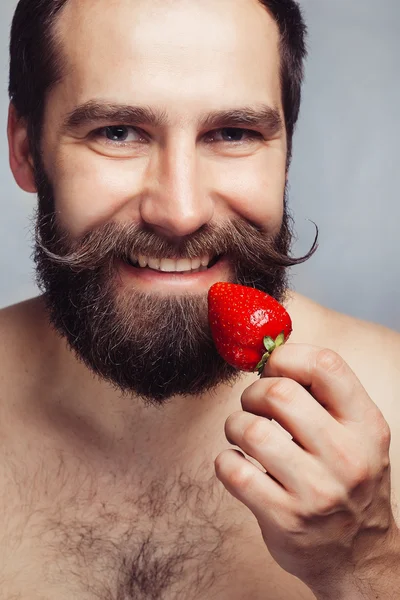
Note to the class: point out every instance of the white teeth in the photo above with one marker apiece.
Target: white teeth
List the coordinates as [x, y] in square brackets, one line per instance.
[170, 265]
[183, 264]
[142, 260]
[196, 262]
[154, 263]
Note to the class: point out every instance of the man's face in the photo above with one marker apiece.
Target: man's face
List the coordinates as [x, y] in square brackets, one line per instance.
[164, 139]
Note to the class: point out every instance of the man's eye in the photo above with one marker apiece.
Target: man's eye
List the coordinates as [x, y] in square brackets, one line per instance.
[119, 133]
[234, 134]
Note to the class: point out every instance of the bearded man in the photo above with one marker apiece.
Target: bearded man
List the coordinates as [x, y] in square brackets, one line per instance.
[158, 137]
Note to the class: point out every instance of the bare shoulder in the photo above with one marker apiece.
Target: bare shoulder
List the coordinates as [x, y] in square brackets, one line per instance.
[11, 316]
[18, 323]
[373, 352]
[370, 349]
[23, 346]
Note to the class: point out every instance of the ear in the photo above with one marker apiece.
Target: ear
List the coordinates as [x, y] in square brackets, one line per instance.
[20, 157]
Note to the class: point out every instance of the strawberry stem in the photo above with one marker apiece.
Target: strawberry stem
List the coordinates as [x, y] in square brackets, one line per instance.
[262, 363]
[269, 345]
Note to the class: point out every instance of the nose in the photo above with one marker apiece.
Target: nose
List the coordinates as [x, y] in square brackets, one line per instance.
[175, 201]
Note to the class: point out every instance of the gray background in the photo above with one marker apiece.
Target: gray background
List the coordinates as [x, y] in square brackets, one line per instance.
[342, 176]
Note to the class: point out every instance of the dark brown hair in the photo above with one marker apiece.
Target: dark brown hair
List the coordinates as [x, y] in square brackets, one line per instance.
[36, 61]
[293, 51]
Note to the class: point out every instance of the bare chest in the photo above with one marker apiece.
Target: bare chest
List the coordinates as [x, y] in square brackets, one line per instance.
[66, 535]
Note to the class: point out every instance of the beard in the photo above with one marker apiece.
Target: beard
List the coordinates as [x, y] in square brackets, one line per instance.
[148, 345]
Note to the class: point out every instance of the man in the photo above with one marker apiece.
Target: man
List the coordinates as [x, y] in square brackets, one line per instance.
[158, 138]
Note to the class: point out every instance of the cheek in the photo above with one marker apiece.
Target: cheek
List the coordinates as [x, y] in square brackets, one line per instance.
[253, 187]
[90, 190]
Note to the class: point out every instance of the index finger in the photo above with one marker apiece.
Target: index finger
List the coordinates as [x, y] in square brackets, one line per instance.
[326, 376]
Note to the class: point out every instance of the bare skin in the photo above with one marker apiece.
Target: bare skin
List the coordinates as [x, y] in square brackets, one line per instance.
[102, 497]
[71, 484]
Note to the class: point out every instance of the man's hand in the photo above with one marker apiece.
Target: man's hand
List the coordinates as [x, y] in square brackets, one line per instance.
[324, 504]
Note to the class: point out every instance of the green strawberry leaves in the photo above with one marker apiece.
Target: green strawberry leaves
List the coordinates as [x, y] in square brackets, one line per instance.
[269, 345]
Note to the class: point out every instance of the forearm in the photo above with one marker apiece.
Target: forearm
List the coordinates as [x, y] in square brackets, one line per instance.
[380, 589]
[380, 582]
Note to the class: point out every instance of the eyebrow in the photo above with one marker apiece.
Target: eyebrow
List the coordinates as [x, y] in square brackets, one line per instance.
[261, 117]
[93, 111]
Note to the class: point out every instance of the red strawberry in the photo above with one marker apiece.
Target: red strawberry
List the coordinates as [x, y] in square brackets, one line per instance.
[246, 325]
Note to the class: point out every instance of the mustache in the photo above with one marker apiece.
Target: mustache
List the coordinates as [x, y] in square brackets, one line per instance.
[236, 238]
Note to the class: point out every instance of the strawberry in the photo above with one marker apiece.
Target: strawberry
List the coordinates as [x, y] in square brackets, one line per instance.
[246, 325]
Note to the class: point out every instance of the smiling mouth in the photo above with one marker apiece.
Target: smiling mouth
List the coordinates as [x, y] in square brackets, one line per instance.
[170, 270]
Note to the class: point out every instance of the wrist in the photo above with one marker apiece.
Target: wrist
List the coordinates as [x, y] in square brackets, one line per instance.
[338, 588]
[374, 578]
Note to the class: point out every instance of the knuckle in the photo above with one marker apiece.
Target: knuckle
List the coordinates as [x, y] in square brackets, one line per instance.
[329, 361]
[294, 525]
[384, 464]
[379, 429]
[283, 389]
[384, 434]
[358, 473]
[323, 501]
[240, 477]
[351, 463]
[256, 433]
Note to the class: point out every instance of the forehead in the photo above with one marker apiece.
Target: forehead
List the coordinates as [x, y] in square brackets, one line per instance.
[180, 53]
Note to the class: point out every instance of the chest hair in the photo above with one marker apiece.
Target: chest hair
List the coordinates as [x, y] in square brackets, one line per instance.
[166, 538]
